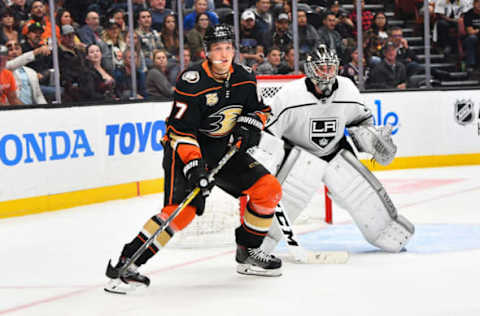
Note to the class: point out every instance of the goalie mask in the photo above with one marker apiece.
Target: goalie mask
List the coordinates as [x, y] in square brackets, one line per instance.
[321, 67]
[216, 34]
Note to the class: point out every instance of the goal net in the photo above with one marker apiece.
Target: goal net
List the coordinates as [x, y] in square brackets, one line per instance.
[215, 228]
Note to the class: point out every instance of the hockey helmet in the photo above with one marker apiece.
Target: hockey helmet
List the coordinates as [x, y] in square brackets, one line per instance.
[218, 33]
[321, 67]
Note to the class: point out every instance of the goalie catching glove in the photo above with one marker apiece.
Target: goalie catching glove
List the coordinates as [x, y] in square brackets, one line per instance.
[247, 130]
[376, 141]
[196, 173]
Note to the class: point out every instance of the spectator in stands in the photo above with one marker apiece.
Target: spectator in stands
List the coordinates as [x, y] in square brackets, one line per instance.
[20, 11]
[113, 38]
[8, 28]
[375, 39]
[137, 5]
[188, 4]
[170, 35]
[252, 40]
[158, 85]
[42, 63]
[90, 32]
[28, 57]
[38, 14]
[124, 87]
[175, 70]
[119, 16]
[96, 84]
[28, 87]
[64, 17]
[223, 4]
[351, 69]
[263, 17]
[404, 54]
[78, 9]
[8, 86]
[282, 36]
[150, 39]
[345, 27]
[472, 27]
[195, 36]
[447, 14]
[367, 17]
[71, 59]
[330, 37]
[388, 74]
[272, 65]
[308, 35]
[199, 7]
[288, 64]
[159, 12]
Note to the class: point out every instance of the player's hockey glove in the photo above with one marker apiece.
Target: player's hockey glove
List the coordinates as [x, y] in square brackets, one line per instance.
[247, 130]
[196, 173]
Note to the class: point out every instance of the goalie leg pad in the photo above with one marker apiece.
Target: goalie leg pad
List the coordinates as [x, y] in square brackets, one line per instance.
[299, 176]
[357, 190]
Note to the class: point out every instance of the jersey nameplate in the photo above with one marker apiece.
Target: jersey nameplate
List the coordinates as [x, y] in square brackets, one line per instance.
[191, 76]
[323, 131]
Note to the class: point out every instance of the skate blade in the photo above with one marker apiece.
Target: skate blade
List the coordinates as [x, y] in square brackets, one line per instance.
[116, 286]
[248, 269]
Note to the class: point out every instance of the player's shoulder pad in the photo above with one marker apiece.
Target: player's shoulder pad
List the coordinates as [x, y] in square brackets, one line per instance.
[188, 80]
[346, 87]
[244, 73]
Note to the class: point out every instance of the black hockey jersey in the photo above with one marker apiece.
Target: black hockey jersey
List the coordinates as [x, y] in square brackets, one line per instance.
[205, 111]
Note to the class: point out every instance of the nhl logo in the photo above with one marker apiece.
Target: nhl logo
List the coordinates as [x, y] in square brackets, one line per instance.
[464, 112]
[212, 99]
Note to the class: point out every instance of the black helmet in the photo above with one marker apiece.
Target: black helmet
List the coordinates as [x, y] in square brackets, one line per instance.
[218, 33]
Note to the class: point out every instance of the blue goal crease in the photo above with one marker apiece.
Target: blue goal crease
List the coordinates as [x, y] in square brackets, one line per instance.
[428, 239]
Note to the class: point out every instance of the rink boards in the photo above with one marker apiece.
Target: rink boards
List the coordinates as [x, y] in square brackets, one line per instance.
[58, 158]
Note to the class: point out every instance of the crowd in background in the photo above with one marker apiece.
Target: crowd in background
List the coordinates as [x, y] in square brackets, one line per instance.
[94, 46]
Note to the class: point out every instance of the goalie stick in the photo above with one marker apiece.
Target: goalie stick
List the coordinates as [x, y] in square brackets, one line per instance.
[180, 208]
[300, 254]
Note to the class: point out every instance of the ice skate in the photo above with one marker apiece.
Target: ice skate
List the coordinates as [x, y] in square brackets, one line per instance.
[127, 282]
[254, 261]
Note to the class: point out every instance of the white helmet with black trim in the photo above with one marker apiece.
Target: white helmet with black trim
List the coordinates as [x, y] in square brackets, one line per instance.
[321, 67]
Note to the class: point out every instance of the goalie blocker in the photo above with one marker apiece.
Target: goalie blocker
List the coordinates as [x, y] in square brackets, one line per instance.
[351, 185]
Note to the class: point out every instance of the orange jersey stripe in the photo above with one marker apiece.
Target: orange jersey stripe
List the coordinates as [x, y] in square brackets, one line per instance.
[244, 82]
[198, 93]
[179, 133]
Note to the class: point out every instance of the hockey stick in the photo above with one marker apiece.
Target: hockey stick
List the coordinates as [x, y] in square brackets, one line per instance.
[179, 208]
[300, 254]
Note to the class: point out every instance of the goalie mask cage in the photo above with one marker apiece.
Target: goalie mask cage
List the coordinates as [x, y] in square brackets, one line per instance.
[215, 228]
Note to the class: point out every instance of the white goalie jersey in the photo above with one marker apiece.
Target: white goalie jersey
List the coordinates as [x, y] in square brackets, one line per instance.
[313, 124]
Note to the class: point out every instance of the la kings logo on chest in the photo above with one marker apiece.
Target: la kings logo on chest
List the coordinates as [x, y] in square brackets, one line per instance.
[323, 131]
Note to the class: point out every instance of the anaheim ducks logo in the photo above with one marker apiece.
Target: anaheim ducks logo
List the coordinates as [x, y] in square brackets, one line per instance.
[222, 121]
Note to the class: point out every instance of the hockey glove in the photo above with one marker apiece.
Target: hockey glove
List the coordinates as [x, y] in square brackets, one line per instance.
[197, 176]
[247, 130]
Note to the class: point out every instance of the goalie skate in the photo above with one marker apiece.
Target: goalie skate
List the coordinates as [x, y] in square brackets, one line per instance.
[125, 283]
[254, 261]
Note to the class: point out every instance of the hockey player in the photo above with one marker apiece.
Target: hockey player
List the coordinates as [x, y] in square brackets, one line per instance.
[214, 103]
[310, 115]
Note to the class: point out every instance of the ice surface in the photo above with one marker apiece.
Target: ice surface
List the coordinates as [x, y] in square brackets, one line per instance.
[54, 263]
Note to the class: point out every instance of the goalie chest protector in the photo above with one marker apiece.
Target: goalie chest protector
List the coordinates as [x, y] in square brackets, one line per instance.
[313, 124]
